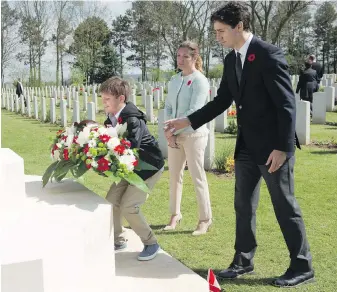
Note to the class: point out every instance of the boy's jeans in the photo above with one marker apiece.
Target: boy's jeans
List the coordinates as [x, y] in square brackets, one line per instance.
[126, 200]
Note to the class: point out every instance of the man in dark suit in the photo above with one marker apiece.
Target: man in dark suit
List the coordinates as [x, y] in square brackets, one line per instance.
[318, 68]
[256, 77]
[19, 90]
[307, 83]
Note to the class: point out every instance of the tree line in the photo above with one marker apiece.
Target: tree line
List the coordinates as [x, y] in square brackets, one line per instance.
[148, 34]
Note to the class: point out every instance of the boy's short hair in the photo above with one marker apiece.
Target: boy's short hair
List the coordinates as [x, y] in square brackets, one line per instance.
[116, 86]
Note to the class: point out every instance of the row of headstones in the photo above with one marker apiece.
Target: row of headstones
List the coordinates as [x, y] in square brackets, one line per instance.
[327, 80]
[323, 102]
[13, 103]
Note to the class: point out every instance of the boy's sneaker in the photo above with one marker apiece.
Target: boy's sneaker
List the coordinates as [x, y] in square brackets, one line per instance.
[120, 246]
[149, 252]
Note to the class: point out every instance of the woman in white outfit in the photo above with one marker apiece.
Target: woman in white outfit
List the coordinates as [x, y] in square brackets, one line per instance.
[188, 91]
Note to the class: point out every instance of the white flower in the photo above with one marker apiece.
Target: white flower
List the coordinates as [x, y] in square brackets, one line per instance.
[112, 143]
[69, 140]
[95, 134]
[102, 130]
[70, 130]
[111, 131]
[92, 143]
[128, 160]
[56, 155]
[94, 164]
[59, 145]
[83, 136]
[121, 128]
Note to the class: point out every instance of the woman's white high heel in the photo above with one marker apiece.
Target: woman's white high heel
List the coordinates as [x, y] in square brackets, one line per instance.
[175, 219]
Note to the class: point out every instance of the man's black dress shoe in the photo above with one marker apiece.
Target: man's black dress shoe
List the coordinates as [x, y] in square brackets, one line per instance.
[235, 271]
[292, 279]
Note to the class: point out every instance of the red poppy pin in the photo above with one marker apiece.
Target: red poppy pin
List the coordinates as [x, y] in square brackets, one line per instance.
[120, 120]
[189, 82]
[251, 57]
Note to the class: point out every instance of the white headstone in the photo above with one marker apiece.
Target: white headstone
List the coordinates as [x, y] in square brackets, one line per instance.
[221, 122]
[36, 108]
[29, 110]
[319, 108]
[133, 99]
[43, 109]
[303, 121]
[76, 111]
[53, 110]
[23, 108]
[161, 136]
[63, 108]
[17, 104]
[149, 108]
[85, 101]
[144, 98]
[330, 98]
[13, 102]
[161, 92]
[91, 111]
[156, 99]
[297, 97]
[94, 98]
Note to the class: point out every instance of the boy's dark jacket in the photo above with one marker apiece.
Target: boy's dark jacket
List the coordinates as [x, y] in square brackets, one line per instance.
[140, 137]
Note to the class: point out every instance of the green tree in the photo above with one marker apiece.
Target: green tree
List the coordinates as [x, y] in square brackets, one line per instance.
[109, 64]
[120, 35]
[89, 38]
[324, 30]
[9, 19]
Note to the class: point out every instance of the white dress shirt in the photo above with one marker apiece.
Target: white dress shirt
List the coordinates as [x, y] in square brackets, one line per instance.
[243, 50]
[114, 118]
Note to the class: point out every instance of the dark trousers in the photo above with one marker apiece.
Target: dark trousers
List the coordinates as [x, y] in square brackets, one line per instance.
[281, 189]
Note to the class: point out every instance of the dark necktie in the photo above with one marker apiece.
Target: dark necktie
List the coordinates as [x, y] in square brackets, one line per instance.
[238, 67]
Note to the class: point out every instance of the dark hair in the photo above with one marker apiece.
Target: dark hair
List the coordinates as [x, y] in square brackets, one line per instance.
[116, 86]
[194, 52]
[307, 64]
[231, 14]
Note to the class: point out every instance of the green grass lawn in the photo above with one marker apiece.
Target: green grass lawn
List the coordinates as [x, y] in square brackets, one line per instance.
[316, 191]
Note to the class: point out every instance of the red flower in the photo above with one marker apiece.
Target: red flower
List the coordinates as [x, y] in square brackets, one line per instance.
[120, 149]
[86, 149]
[251, 57]
[59, 132]
[75, 140]
[95, 129]
[135, 163]
[88, 166]
[64, 138]
[103, 164]
[65, 154]
[104, 138]
[120, 120]
[126, 143]
[54, 148]
[189, 82]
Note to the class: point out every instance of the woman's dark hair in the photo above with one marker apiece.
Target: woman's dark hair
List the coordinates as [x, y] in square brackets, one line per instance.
[232, 13]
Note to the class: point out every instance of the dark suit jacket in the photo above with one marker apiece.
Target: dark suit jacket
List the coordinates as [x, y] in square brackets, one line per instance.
[307, 84]
[18, 89]
[265, 101]
[319, 69]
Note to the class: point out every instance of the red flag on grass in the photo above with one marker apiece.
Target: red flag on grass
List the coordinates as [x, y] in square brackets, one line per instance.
[213, 282]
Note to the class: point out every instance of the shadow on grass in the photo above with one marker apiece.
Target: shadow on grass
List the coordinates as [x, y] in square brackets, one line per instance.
[334, 151]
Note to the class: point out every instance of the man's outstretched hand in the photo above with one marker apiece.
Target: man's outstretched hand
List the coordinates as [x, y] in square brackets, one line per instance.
[174, 125]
